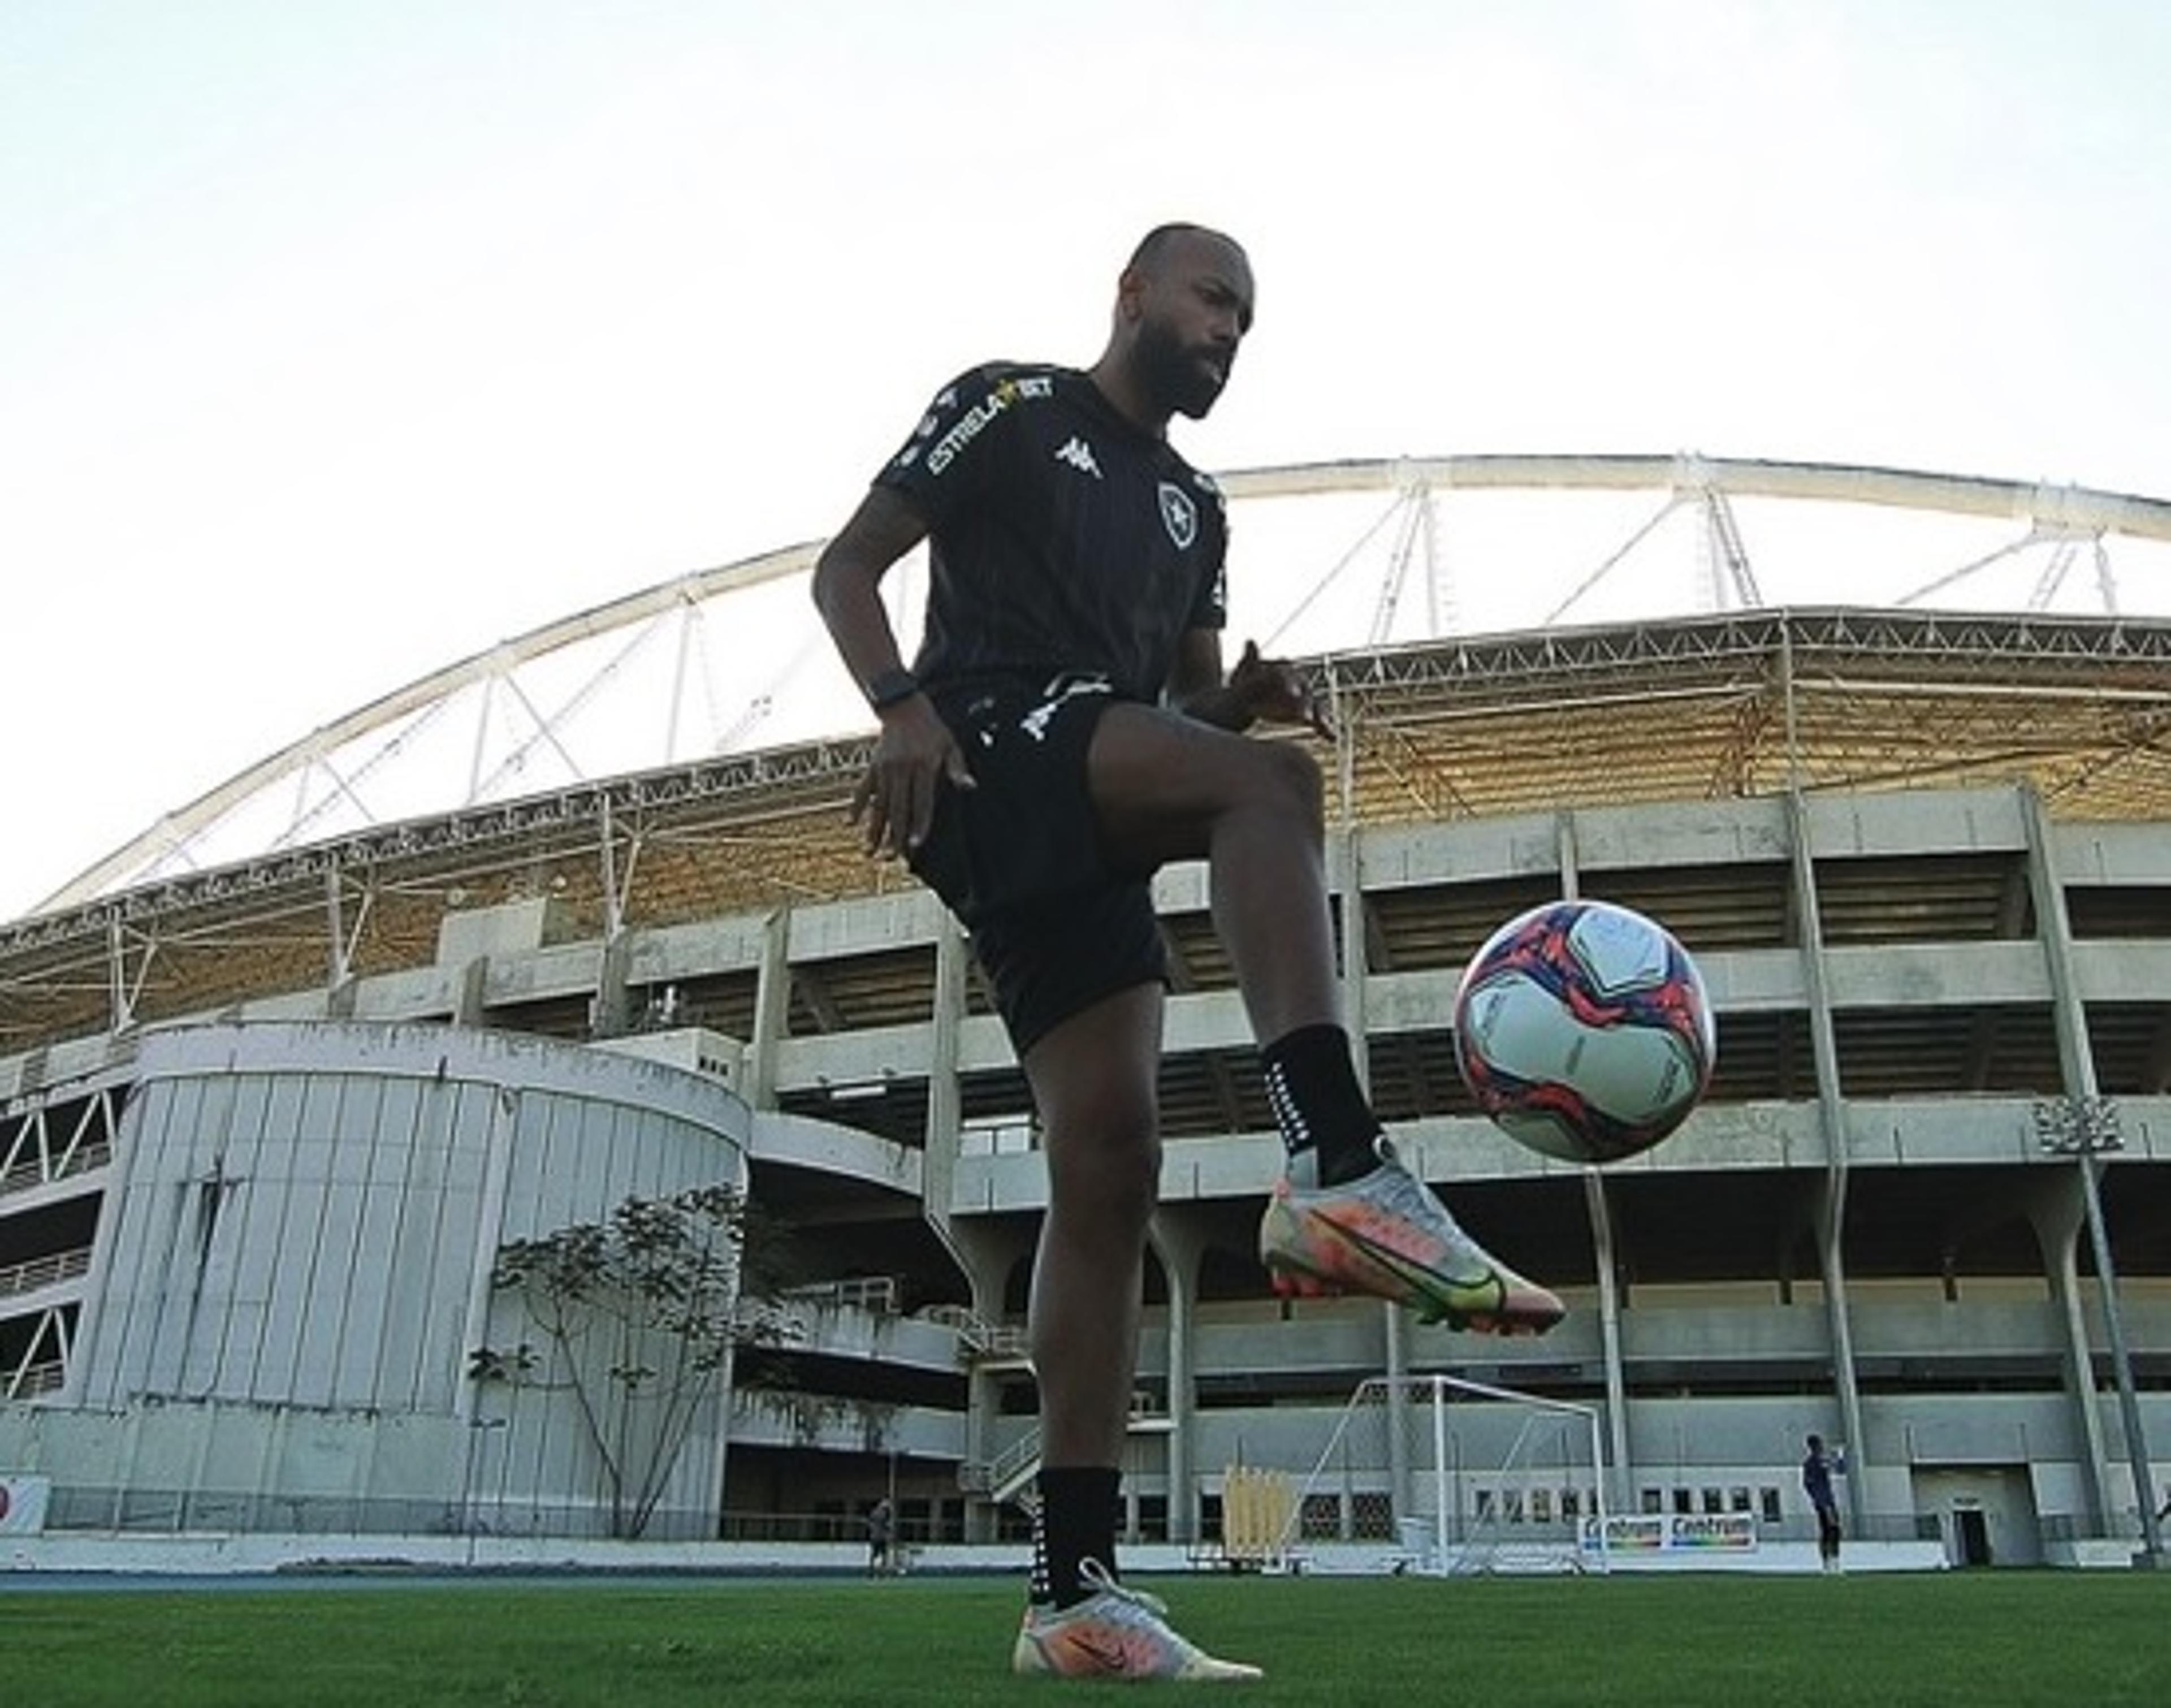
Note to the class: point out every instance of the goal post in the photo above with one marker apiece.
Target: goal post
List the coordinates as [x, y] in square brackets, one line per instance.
[1444, 1474]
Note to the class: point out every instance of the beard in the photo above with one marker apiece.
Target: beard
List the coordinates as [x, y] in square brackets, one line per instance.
[1176, 375]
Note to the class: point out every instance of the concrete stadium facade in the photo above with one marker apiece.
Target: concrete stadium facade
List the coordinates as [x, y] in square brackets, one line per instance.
[1904, 1268]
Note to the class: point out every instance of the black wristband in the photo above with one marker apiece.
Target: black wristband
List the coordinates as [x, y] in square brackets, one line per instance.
[891, 686]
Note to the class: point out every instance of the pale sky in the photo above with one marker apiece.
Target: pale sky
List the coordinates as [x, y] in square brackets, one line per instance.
[339, 339]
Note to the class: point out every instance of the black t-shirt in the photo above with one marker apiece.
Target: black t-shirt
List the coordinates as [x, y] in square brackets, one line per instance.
[1060, 538]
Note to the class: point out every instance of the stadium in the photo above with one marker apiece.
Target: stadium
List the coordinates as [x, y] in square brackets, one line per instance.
[579, 920]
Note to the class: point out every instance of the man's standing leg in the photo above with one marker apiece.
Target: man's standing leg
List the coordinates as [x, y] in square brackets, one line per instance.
[1095, 1080]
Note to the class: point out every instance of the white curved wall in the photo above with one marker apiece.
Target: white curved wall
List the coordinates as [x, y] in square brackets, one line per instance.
[293, 1264]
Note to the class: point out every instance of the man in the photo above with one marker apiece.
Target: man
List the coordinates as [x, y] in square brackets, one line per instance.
[881, 1522]
[1817, 1468]
[1065, 730]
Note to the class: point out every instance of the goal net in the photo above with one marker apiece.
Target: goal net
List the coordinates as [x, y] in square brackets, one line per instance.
[1437, 1475]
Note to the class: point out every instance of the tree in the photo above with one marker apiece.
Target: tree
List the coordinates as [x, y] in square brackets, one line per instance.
[643, 1311]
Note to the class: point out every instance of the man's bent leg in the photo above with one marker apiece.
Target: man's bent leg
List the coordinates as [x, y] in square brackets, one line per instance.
[1349, 1217]
[1168, 788]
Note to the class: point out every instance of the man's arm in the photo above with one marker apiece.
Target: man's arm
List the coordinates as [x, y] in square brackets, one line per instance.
[915, 753]
[1259, 689]
[848, 576]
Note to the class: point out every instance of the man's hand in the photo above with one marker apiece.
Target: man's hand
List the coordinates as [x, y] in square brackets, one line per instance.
[1275, 691]
[895, 800]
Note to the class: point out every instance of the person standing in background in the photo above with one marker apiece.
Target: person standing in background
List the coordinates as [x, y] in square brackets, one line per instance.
[1818, 1467]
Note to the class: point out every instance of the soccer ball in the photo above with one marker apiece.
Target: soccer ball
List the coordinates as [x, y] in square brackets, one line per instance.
[1582, 1030]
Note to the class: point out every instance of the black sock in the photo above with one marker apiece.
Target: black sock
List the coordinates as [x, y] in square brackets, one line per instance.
[1077, 1523]
[1312, 1089]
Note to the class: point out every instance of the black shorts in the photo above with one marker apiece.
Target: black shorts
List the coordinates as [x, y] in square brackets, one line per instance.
[1019, 860]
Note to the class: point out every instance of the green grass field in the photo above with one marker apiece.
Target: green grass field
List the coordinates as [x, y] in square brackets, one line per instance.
[1982, 1640]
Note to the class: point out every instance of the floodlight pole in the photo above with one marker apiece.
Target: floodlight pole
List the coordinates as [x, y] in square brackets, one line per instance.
[2084, 1128]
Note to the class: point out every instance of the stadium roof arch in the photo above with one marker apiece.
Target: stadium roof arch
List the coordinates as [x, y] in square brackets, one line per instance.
[523, 713]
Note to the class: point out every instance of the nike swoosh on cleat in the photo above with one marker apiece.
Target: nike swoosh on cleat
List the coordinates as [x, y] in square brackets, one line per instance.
[1467, 1300]
[1109, 1657]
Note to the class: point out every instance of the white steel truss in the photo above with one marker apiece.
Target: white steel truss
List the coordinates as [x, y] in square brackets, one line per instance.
[54, 1141]
[41, 1367]
[681, 674]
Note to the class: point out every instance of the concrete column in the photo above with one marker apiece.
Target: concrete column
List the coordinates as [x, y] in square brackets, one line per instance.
[471, 987]
[340, 934]
[1344, 869]
[1571, 865]
[2054, 1211]
[121, 998]
[772, 1003]
[1395, 1328]
[336, 970]
[611, 1015]
[1181, 1248]
[2054, 931]
[2078, 1068]
[1832, 1118]
[987, 1257]
[1623, 1481]
[944, 1133]
[982, 1256]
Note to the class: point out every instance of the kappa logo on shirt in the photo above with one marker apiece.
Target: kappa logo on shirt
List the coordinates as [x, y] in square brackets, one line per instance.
[1179, 515]
[1080, 456]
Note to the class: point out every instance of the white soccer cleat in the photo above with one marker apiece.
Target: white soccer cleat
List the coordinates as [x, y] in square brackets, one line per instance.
[1115, 1633]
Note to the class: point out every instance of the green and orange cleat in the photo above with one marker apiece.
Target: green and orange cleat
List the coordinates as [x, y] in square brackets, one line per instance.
[1387, 1233]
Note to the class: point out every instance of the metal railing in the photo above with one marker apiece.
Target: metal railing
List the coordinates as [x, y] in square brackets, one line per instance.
[1001, 1477]
[48, 1271]
[869, 1292]
[175, 1511]
[114, 1511]
[837, 1527]
[31, 1380]
[979, 1338]
[1008, 1476]
[25, 1176]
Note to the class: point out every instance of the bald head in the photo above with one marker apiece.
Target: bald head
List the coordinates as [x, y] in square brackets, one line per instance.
[1182, 306]
[1156, 246]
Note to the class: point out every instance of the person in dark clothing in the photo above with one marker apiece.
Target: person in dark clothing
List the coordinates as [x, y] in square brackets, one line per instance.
[882, 1531]
[1818, 1466]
